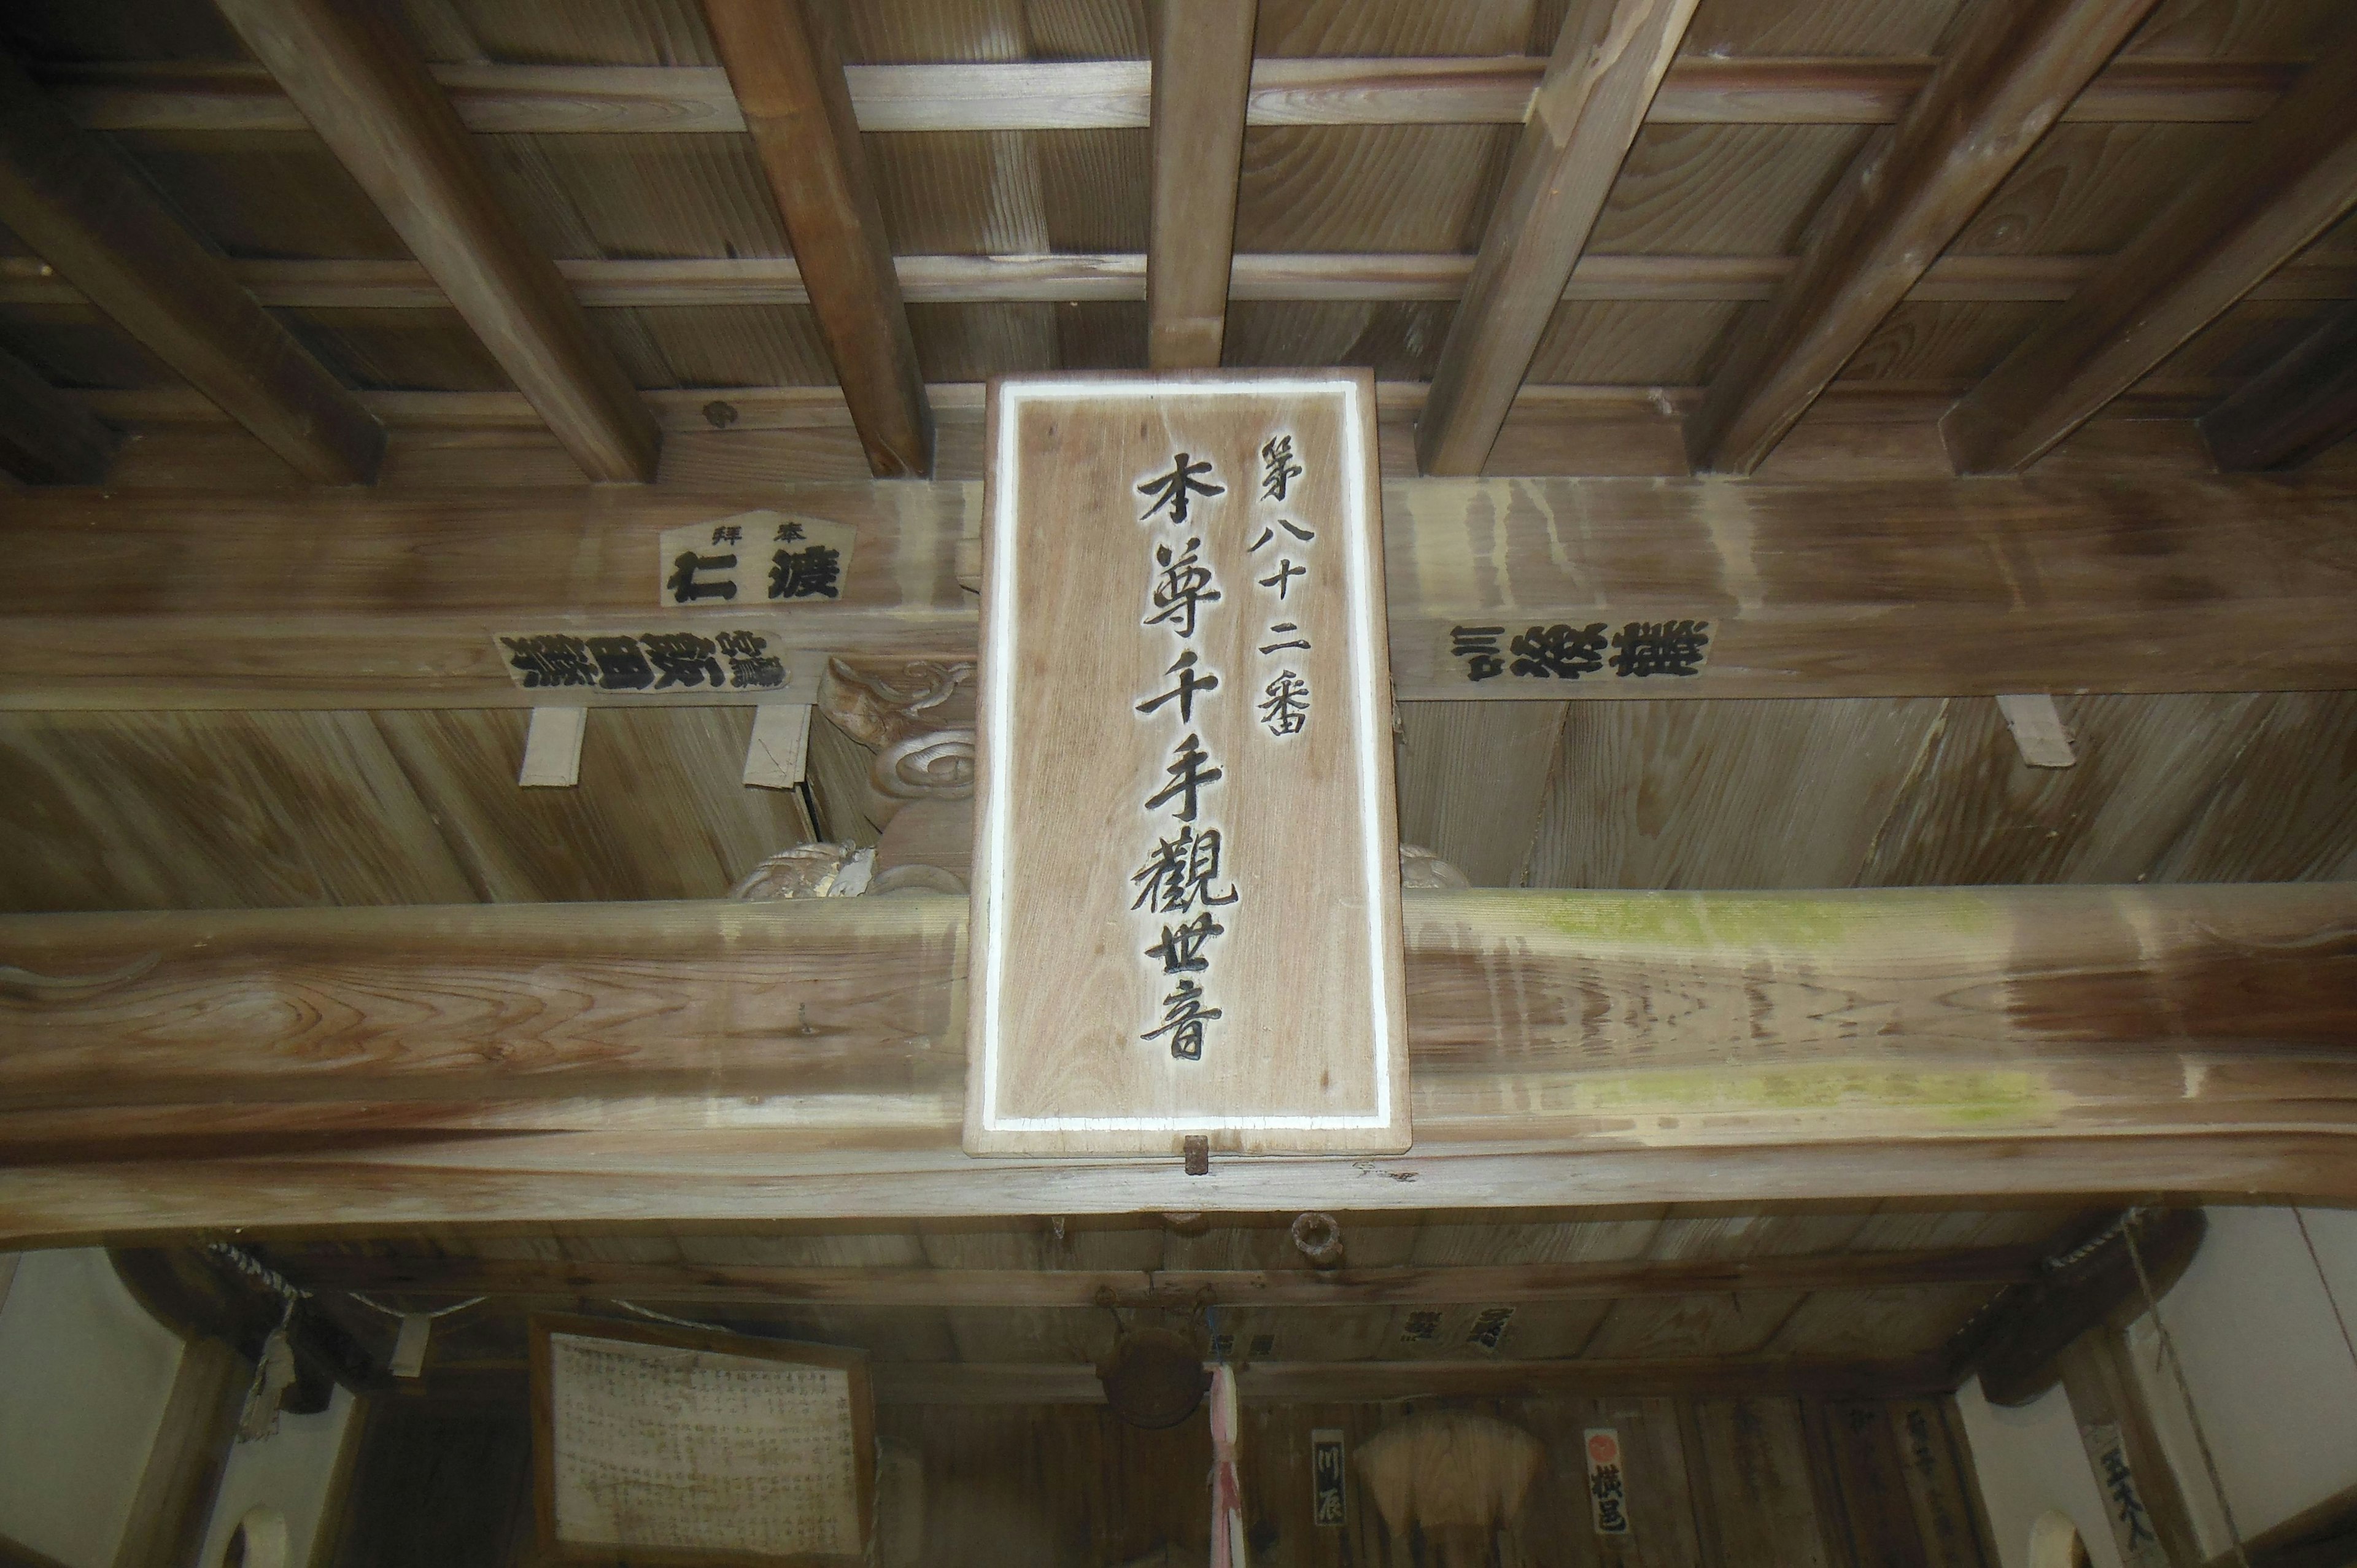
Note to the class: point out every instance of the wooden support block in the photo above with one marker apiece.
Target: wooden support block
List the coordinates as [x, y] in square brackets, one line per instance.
[552, 748]
[2038, 729]
[46, 436]
[781, 745]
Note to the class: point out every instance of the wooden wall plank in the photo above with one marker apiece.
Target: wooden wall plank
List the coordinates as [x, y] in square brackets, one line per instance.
[788, 76]
[1718, 1324]
[66, 194]
[1473, 778]
[659, 812]
[361, 86]
[1727, 794]
[220, 811]
[2285, 811]
[1996, 89]
[2277, 187]
[637, 1072]
[1608, 62]
[1754, 1463]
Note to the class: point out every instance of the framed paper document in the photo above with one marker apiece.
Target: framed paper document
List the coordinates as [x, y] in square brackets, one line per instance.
[663, 1445]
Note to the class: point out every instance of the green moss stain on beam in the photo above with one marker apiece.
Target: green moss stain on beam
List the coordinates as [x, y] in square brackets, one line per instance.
[2005, 1097]
[1763, 920]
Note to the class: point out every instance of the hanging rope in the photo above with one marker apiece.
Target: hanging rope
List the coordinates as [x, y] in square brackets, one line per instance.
[2184, 1392]
[394, 1311]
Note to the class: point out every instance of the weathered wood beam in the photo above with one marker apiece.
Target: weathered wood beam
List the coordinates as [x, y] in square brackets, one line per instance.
[2272, 191]
[784, 66]
[1203, 76]
[1935, 587]
[304, 1069]
[2014, 1349]
[1040, 95]
[47, 437]
[2296, 409]
[1993, 96]
[66, 194]
[1609, 59]
[954, 280]
[361, 86]
[2101, 1383]
[1179, 1288]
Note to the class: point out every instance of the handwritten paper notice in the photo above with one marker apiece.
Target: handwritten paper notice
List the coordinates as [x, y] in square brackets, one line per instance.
[664, 1448]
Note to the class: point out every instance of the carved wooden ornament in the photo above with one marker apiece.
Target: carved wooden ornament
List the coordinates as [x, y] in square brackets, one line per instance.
[1187, 884]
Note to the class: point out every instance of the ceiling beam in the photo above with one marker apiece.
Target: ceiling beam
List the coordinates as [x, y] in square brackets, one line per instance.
[1608, 62]
[2297, 408]
[602, 283]
[1203, 75]
[1072, 95]
[68, 197]
[361, 86]
[1936, 587]
[47, 436]
[1179, 1288]
[719, 1061]
[2266, 195]
[783, 63]
[1993, 96]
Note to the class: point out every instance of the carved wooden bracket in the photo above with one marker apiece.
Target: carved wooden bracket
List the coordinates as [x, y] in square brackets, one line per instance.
[923, 745]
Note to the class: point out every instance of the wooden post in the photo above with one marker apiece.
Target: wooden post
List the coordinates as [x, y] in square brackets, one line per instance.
[2275, 187]
[362, 87]
[1202, 77]
[788, 76]
[1608, 62]
[67, 195]
[1992, 96]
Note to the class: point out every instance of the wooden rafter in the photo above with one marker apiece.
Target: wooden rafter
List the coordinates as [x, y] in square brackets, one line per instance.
[2296, 409]
[1203, 76]
[788, 76]
[1932, 587]
[47, 437]
[1041, 95]
[1993, 96]
[716, 1061]
[361, 86]
[1608, 62]
[2272, 189]
[65, 194]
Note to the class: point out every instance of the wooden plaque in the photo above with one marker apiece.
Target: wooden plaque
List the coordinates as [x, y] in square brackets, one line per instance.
[1186, 900]
[682, 1446]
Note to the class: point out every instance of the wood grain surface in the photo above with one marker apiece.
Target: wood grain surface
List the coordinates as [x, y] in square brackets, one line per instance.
[361, 86]
[1108, 683]
[1917, 587]
[624, 1062]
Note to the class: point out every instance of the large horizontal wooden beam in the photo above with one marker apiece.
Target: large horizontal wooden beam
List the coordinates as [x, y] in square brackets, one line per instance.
[179, 95]
[1073, 276]
[1180, 1288]
[160, 599]
[299, 1071]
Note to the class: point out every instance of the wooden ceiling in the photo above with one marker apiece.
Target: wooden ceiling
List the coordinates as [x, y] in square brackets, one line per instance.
[207, 701]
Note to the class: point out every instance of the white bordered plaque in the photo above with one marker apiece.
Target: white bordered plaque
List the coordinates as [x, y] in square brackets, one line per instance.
[1186, 904]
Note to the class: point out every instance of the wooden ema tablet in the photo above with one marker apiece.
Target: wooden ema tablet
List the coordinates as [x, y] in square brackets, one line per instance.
[1185, 899]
